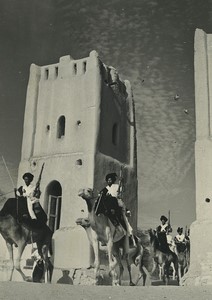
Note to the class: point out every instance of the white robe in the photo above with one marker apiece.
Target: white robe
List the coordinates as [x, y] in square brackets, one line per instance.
[28, 193]
[113, 189]
[180, 237]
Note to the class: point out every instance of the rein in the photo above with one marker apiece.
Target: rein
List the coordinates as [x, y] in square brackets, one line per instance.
[99, 200]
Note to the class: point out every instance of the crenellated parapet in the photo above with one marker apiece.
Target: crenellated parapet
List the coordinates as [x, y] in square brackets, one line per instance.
[68, 67]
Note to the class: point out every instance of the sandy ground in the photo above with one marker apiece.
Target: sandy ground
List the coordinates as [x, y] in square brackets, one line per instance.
[26, 290]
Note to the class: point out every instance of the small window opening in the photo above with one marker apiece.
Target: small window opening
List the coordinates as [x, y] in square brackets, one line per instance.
[84, 66]
[75, 68]
[56, 71]
[61, 127]
[115, 134]
[47, 73]
[79, 162]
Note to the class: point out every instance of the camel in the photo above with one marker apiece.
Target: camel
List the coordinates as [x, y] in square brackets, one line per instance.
[156, 254]
[102, 230]
[134, 254]
[163, 256]
[182, 253]
[16, 233]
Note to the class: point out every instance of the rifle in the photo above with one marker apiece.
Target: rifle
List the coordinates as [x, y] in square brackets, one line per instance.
[120, 192]
[120, 187]
[169, 220]
[186, 231]
[37, 186]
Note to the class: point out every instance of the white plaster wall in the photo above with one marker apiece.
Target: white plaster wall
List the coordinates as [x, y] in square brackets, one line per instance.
[201, 243]
[203, 103]
[75, 97]
[203, 162]
[66, 88]
[30, 113]
[74, 239]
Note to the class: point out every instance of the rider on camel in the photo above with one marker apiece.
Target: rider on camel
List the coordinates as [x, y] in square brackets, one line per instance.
[37, 217]
[111, 204]
[180, 237]
[181, 241]
[109, 201]
[170, 240]
[164, 230]
[164, 226]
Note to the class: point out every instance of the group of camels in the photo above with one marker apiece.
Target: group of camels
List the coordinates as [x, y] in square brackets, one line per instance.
[99, 230]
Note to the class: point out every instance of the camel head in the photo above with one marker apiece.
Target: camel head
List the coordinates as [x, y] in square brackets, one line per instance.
[84, 222]
[152, 235]
[88, 195]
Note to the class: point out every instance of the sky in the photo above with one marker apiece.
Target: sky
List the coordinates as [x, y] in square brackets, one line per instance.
[150, 43]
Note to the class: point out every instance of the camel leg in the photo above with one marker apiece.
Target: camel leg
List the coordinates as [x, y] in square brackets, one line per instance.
[174, 271]
[179, 273]
[166, 267]
[160, 271]
[48, 267]
[147, 277]
[96, 260]
[129, 270]
[112, 262]
[10, 250]
[116, 254]
[177, 269]
[154, 266]
[143, 272]
[21, 247]
[164, 273]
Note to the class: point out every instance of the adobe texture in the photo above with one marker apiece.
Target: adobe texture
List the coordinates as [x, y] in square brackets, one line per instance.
[200, 272]
[79, 121]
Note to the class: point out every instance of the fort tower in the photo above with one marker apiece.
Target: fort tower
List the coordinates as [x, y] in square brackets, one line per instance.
[79, 121]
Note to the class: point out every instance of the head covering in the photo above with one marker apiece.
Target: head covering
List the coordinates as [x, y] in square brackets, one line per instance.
[29, 175]
[113, 176]
[163, 218]
[169, 229]
[180, 229]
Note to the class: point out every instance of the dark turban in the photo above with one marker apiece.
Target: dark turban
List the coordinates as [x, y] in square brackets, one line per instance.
[113, 176]
[163, 218]
[179, 229]
[29, 175]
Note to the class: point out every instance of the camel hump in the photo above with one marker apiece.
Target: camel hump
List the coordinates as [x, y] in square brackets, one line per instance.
[9, 208]
[15, 207]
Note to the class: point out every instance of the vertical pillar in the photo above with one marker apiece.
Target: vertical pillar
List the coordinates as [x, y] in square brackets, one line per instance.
[30, 113]
[200, 271]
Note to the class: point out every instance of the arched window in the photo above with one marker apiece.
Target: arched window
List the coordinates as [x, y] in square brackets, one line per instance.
[61, 127]
[115, 134]
[53, 203]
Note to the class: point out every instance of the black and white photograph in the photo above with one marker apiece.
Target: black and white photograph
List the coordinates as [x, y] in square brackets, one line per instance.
[106, 149]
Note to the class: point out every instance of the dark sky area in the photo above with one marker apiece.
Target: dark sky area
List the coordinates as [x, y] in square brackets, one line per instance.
[151, 43]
